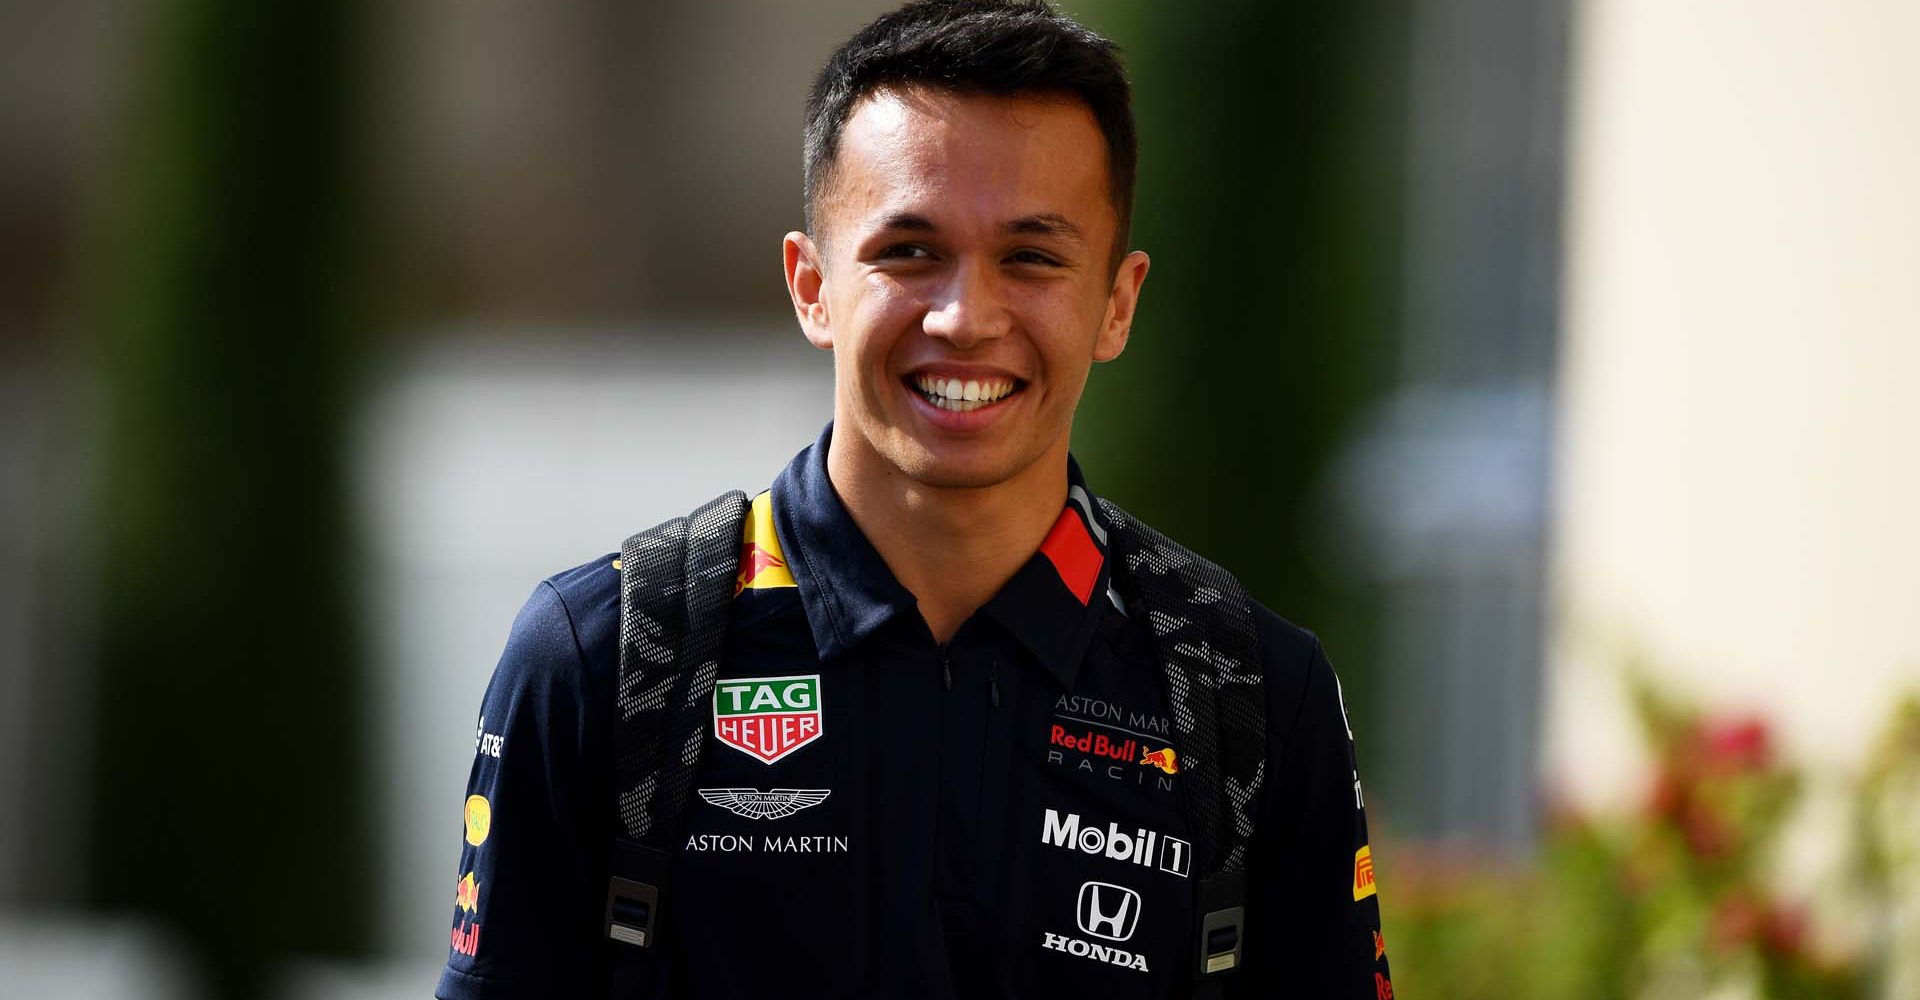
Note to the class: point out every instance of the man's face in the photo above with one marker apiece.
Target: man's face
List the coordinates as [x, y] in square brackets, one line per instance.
[964, 282]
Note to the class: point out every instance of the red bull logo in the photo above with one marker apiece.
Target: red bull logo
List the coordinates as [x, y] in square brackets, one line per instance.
[1382, 987]
[755, 559]
[467, 895]
[763, 566]
[1096, 744]
[466, 938]
[1166, 760]
[1379, 946]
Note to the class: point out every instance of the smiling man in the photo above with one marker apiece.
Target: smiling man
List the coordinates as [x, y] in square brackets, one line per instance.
[968, 732]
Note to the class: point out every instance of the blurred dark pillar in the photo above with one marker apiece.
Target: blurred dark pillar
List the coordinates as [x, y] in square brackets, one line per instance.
[228, 792]
[1271, 176]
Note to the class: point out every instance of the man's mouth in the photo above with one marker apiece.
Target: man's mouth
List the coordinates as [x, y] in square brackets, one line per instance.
[963, 395]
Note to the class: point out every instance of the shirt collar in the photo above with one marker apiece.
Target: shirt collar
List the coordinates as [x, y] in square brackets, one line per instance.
[1051, 605]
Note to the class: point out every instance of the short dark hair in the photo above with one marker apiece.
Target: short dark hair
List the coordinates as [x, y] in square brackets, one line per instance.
[996, 47]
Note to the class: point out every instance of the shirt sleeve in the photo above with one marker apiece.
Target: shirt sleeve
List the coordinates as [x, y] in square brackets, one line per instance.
[1313, 914]
[531, 879]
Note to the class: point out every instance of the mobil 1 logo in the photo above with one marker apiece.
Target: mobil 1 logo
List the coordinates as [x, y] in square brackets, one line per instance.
[1139, 846]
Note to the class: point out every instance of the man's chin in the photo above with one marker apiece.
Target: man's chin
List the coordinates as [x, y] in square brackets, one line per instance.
[942, 478]
[938, 461]
[947, 467]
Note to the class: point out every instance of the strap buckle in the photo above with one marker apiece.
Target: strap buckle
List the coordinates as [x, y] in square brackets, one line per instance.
[1223, 924]
[633, 908]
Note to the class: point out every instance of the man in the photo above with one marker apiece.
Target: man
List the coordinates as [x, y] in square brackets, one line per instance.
[940, 761]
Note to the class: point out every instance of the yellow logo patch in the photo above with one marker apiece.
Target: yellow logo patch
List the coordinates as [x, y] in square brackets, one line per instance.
[1363, 873]
[763, 566]
[479, 819]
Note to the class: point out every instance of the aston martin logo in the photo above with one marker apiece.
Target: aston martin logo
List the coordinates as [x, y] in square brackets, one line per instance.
[778, 803]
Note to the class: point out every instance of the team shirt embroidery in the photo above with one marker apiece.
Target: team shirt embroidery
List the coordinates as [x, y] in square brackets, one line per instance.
[1363, 873]
[1103, 738]
[1140, 846]
[767, 718]
[777, 803]
[486, 744]
[1108, 912]
[1108, 854]
[479, 819]
[763, 566]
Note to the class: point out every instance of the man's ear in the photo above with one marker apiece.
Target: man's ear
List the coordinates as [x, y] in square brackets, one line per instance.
[1122, 299]
[806, 285]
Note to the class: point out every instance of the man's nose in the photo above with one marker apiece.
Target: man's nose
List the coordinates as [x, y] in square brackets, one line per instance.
[969, 308]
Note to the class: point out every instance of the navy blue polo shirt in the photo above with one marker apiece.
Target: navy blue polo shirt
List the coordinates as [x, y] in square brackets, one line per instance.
[877, 814]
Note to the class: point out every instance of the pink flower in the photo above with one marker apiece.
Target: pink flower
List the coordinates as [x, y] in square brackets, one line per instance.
[1742, 743]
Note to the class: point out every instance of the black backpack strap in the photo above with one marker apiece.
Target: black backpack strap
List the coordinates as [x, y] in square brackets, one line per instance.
[1202, 623]
[676, 588]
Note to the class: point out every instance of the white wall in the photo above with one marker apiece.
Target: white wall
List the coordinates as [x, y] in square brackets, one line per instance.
[487, 465]
[1739, 481]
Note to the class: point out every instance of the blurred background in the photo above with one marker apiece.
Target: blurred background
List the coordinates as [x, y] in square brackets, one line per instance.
[1553, 360]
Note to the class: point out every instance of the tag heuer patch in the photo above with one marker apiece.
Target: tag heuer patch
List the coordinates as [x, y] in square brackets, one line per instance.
[767, 717]
[778, 803]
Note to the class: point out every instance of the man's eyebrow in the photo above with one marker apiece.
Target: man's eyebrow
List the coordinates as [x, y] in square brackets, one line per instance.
[908, 221]
[1046, 224]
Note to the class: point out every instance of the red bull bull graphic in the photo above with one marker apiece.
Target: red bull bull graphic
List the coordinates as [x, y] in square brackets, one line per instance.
[1379, 946]
[754, 561]
[1118, 754]
[763, 566]
[466, 896]
[767, 718]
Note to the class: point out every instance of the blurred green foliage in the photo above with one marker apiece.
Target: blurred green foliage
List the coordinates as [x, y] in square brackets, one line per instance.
[1675, 900]
[228, 794]
[1271, 151]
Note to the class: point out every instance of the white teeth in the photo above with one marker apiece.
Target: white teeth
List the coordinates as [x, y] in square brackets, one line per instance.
[961, 395]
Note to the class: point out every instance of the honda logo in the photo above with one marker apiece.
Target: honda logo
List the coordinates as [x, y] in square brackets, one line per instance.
[1108, 911]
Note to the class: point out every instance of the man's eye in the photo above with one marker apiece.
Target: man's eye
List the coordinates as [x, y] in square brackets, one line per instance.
[906, 251]
[1033, 257]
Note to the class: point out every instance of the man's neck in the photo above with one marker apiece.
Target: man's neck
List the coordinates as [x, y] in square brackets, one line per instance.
[952, 548]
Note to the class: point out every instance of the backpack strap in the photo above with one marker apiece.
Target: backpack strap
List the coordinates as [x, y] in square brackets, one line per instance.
[676, 588]
[1202, 624]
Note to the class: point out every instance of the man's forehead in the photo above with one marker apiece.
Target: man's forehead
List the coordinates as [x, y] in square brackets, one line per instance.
[1039, 155]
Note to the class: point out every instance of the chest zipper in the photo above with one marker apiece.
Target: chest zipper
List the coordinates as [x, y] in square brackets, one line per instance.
[993, 676]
